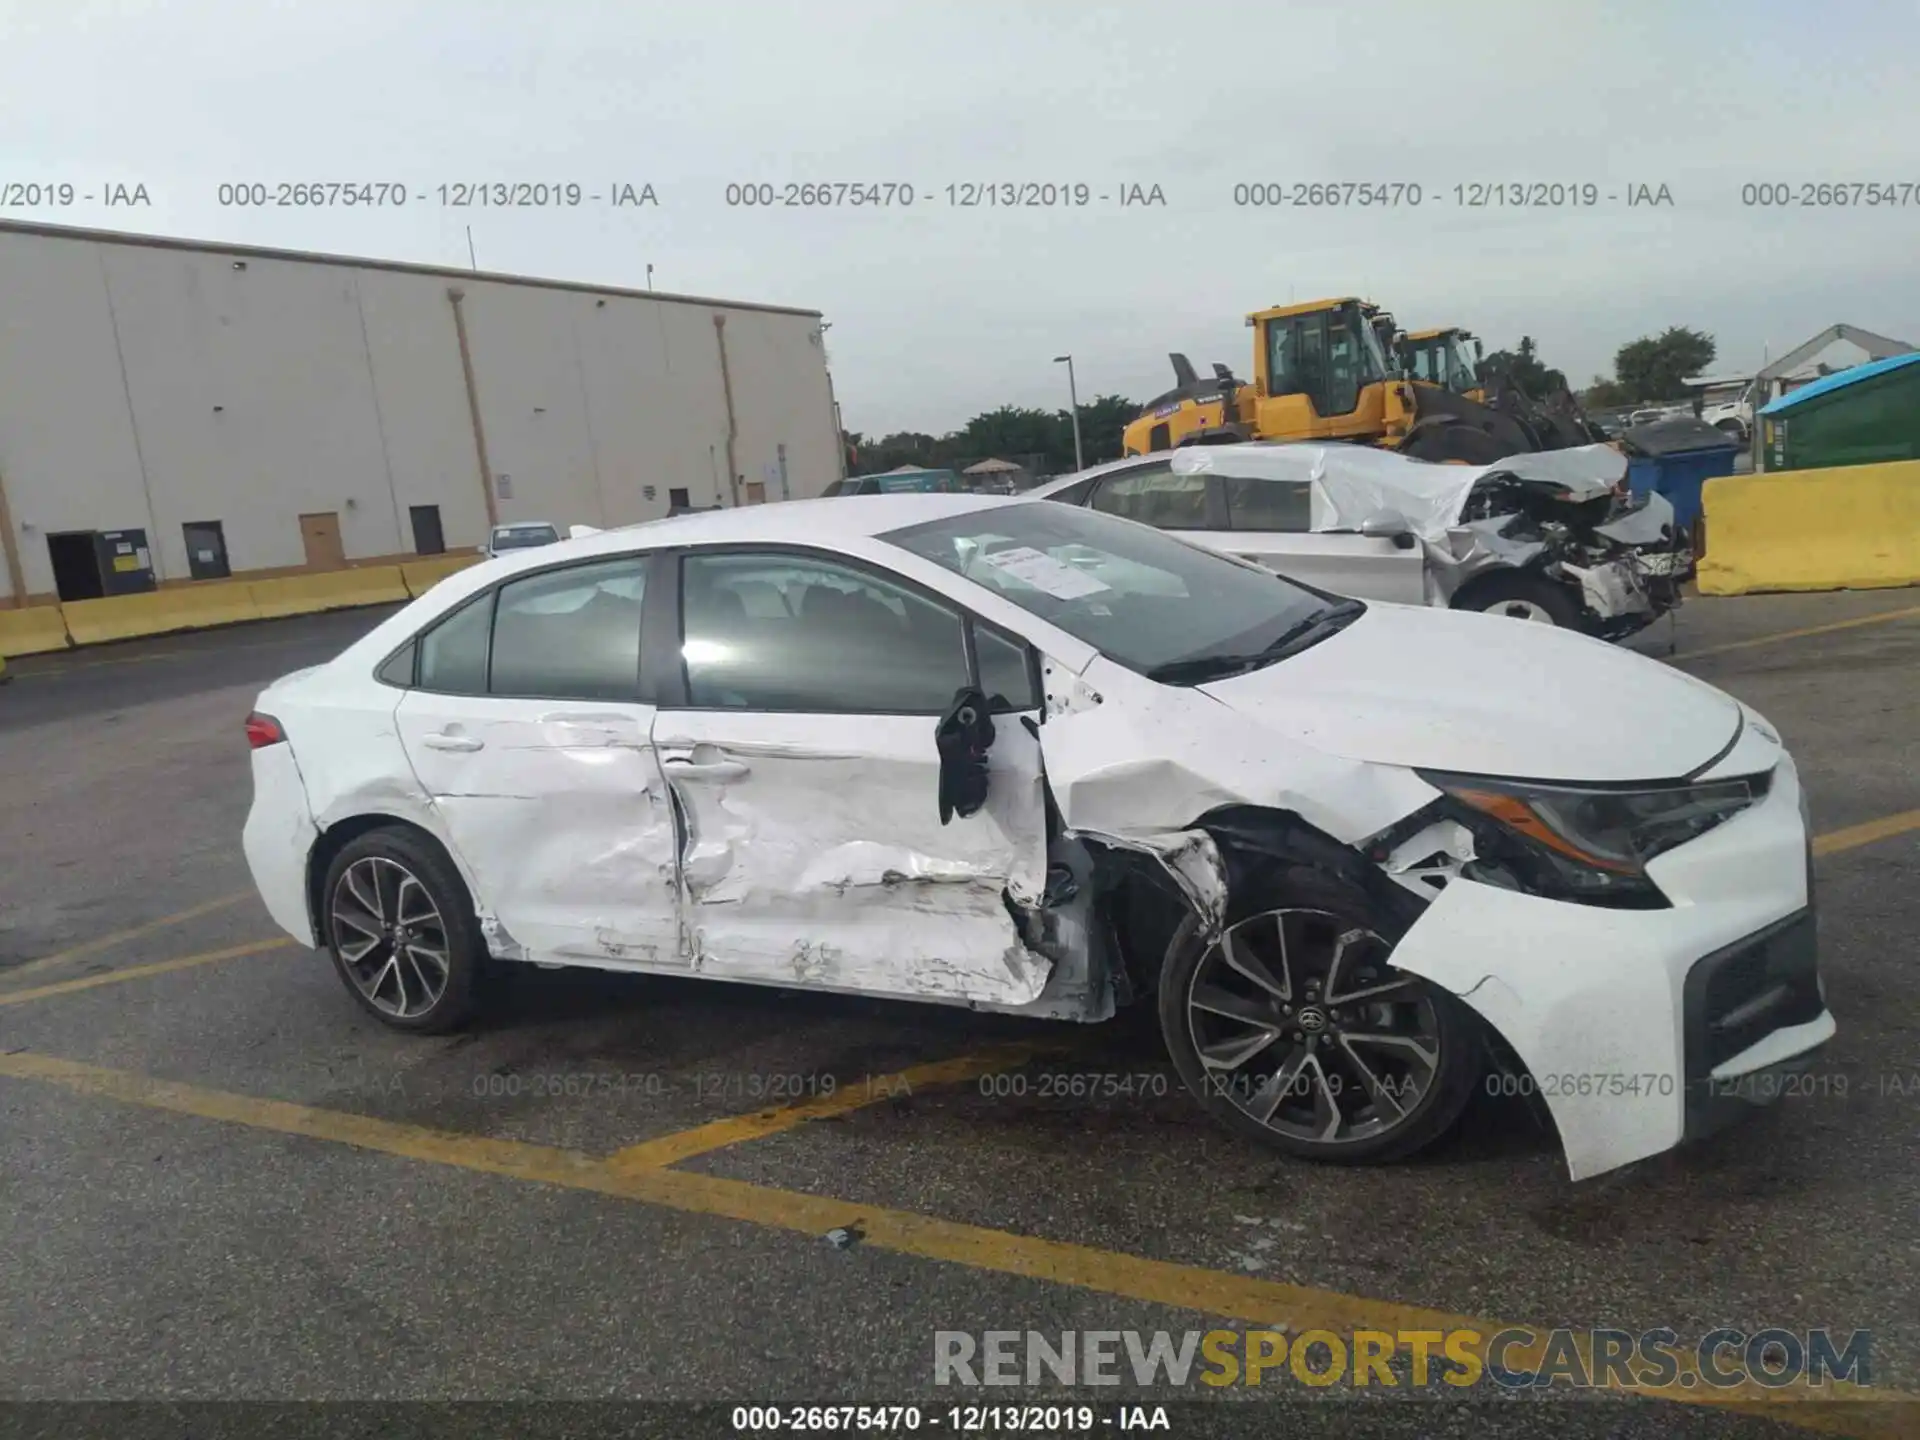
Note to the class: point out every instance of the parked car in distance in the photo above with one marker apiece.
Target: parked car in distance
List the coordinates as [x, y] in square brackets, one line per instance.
[520, 535]
[1547, 537]
[1027, 757]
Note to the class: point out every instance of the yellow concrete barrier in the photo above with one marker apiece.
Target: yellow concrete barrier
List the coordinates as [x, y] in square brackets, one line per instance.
[1852, 527]
[33, 630]
[422, 575]
[328, 590]
[159, 612]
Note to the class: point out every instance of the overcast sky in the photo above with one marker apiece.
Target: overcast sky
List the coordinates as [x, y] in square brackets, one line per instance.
[940, 311]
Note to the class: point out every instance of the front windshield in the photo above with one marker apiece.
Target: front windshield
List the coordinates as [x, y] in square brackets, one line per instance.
[521, 539]
[1376, 357]
[1461, 377]
[1157, 605]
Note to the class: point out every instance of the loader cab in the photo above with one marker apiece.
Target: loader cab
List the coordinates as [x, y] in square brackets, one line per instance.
[1321, 372]
[1441, 357]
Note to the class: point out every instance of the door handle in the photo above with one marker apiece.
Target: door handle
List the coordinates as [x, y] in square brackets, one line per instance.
[447, 740]
[705, 769]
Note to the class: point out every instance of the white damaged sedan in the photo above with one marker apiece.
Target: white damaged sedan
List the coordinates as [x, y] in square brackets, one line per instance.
[1027, 757]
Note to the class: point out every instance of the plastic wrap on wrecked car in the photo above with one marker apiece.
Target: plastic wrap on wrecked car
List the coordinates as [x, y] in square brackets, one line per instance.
[1350, 483]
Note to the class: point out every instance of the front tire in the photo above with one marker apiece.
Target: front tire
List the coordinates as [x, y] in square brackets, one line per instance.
[1293, 1030]
[401, 929]
[1521, 597]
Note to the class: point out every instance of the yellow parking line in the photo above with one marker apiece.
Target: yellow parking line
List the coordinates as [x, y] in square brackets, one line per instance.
[1880, 617]
[140, 972]
[1295, 1308]
[1866, 833]
[870, 1090]
[119, 937]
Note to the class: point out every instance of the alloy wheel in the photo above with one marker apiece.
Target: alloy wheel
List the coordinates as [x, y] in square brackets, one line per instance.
[1520, 610]
[390, 937]
[1301, 1024]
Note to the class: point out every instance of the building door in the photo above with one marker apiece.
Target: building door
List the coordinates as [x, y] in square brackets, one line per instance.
[427, 539]
[320, 533]
[125, 561]
[206, 550]
[76, 565]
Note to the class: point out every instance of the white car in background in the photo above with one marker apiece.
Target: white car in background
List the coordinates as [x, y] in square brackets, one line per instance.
[1549, 537]
[1025, 757]
[520, 535]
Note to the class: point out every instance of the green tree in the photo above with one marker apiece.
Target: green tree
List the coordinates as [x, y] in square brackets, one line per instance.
[1657, 367]
[1102, 420]
[1605, 394]
[1010, 432]
[1522, 367]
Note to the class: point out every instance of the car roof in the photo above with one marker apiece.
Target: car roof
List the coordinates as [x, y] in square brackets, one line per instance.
[1111, 467]
[815, 522]
[524, 525]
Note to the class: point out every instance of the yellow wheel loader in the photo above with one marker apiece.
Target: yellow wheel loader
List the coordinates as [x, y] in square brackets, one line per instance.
[1340, 370]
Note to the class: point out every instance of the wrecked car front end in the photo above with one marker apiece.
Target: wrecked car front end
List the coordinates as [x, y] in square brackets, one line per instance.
[1317, 868]
[1621, 559]
[1641, 1006]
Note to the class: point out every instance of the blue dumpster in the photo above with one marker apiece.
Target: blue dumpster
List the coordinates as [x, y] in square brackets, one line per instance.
[1675, 458]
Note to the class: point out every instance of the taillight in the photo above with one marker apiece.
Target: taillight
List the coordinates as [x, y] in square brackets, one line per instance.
[264, 730]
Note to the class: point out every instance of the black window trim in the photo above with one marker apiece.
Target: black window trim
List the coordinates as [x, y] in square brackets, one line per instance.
[490, 595]
[665, 665]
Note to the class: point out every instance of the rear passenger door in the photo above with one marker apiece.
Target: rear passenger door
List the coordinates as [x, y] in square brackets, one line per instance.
[525, 723]
[797, 728]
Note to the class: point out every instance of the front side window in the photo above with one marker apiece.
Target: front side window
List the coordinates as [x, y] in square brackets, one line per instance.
[1427, 362]
[1155, 497]
[571, 634]
[786, 632]
[1155, 604]
[1283, 358]
[1348, 337]
[1464, 377]
[1006, 679]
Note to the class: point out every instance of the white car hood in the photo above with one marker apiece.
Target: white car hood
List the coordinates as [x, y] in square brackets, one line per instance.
[1449, 690]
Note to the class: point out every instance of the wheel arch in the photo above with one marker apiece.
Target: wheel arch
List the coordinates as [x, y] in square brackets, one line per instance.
[341, 833]
[1145, 907]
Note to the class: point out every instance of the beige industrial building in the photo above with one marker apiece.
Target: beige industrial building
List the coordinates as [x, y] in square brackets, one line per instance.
[173, 410]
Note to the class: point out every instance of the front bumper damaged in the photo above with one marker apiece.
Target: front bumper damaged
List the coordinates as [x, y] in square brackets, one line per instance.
[1643, 1028]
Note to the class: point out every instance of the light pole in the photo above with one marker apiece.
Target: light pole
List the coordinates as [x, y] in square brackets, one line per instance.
[1073, 394]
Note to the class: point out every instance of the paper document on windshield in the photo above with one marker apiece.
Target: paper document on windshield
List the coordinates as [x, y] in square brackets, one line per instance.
[1044, 573]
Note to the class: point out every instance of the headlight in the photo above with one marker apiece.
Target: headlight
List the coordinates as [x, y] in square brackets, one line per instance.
[1591, 843]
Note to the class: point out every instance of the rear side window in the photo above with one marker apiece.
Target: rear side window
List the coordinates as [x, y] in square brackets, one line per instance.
[1267, 504]
[1155, 497]
[453, 654]
[571, 634]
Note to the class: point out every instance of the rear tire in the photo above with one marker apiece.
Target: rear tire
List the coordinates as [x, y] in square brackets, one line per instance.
[1521, 597]
[400, 927]
[1331, 1077]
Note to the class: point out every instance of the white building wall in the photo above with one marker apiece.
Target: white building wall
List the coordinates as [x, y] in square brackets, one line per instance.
[422, 395]
[147, 385]
[253, 402]
[67, 451]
